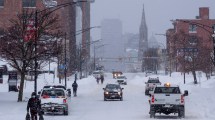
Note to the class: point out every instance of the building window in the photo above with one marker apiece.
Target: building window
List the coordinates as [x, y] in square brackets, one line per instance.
[192, 28]
[193, 40]
[1, 3]
[29, 3]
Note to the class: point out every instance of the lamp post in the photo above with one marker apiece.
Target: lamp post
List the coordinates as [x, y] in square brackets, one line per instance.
[94, 52]
[65, 65]
[81, 58]
[52, 9]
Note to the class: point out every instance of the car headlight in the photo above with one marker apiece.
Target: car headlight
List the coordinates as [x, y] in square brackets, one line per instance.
[119, 93]
[106, 93]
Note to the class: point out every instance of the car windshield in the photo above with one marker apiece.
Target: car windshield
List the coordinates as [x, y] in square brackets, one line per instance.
[96, 72]
[121, 77]
[113, 86]
[153, 81]
[53, 93]
[172, 90]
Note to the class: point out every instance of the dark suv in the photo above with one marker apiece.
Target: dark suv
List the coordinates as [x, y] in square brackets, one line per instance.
[113, 91]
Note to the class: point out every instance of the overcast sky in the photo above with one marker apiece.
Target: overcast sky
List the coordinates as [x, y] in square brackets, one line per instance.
[158, 13]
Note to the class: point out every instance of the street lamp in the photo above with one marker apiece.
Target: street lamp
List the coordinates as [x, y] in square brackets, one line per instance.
[165, 52]
[81, 53]
[94, 59]
[52, 9]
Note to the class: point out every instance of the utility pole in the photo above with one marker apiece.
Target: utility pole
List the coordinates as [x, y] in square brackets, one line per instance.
[35, 53]
[65, 66]
[213, 35]
[94, 60]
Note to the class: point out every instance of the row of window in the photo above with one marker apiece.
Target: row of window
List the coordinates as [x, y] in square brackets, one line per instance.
[193, 27]
[25, 3]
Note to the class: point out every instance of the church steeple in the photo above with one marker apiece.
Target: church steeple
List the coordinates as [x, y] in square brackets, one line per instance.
[143, 38]
[143, 32]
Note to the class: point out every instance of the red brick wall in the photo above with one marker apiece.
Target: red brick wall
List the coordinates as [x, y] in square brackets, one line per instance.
[11, 9]
[202, 32]
[204, 13]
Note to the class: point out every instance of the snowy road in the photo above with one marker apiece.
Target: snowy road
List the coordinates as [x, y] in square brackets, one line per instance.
[89, 104]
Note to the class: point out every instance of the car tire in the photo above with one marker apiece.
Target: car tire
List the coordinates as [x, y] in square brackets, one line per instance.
[146, 92]
[121, 99]
[66, 111]
[181, 113]
[105, 99]
[152, 112]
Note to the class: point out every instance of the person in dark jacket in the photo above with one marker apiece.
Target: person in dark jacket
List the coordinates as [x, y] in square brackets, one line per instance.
[34, 105]
[102, 79]
[75, 87]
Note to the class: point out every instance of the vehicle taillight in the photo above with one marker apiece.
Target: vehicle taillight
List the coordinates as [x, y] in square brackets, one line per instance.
[45, 96]
[64, 100]
[182, 98]
[153, 99]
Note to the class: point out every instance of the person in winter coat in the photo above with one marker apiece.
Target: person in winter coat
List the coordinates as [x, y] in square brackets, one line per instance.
[102, 79]
[34, 105]
[75, 87]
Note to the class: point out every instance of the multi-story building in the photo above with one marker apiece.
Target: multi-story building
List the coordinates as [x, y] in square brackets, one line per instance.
[113, 51]
[10, 8]
[131, 52]
[187, 35]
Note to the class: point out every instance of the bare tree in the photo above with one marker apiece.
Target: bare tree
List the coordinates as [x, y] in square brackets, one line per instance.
[192, 54]
[19, 52]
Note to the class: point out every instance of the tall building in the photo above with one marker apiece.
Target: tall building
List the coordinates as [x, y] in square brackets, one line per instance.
[113, 51]
[131, 52]
[143, 41]
[198, 32]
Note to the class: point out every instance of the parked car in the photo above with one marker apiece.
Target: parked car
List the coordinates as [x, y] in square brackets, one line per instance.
[68, 91]
[113, 91]
[54, 100]
[121, 80]
[150, 84]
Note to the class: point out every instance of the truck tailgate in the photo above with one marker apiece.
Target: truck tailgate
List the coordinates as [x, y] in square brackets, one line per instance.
[167, 99]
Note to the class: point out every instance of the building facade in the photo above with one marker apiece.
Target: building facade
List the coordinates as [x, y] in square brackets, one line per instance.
[67, 20]
[193, 33]
[113, 51]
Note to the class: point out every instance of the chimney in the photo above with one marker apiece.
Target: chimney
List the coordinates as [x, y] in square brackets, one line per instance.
[204, 13]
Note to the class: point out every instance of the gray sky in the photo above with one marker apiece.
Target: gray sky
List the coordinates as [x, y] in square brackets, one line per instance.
[158, 13]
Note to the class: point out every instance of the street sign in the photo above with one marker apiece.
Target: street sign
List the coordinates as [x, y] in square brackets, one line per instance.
[199, 74]
[30, 31]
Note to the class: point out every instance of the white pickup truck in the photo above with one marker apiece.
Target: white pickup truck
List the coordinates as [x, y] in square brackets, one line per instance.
[167, 99]
[54, 101]
[150, 84]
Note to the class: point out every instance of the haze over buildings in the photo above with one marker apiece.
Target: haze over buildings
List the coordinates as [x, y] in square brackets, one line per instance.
[113, 51]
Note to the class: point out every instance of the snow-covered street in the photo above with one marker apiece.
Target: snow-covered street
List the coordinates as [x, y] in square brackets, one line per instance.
[89, 104]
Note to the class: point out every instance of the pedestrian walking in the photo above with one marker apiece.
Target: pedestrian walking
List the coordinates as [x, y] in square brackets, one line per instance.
[102, 79]
[34, 105]
[75, 87]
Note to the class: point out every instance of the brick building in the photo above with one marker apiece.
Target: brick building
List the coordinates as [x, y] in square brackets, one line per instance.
[10, 8]
[198, 30]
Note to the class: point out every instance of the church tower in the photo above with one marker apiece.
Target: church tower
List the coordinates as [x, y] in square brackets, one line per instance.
[143, 38]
